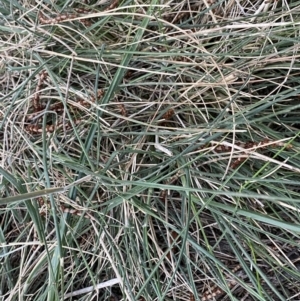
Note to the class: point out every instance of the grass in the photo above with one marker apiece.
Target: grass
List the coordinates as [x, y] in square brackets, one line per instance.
[149, 150]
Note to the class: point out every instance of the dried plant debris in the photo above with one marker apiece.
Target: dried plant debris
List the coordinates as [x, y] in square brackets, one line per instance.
[38, 110]
[248, 147]
[79, 12]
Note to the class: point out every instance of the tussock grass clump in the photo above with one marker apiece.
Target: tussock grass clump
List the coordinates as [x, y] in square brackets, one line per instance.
[149, 150]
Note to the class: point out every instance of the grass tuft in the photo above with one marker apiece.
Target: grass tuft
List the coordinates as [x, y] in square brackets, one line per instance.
[149, 150]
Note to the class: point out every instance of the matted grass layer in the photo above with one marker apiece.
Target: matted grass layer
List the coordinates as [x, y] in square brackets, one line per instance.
[149, 150]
